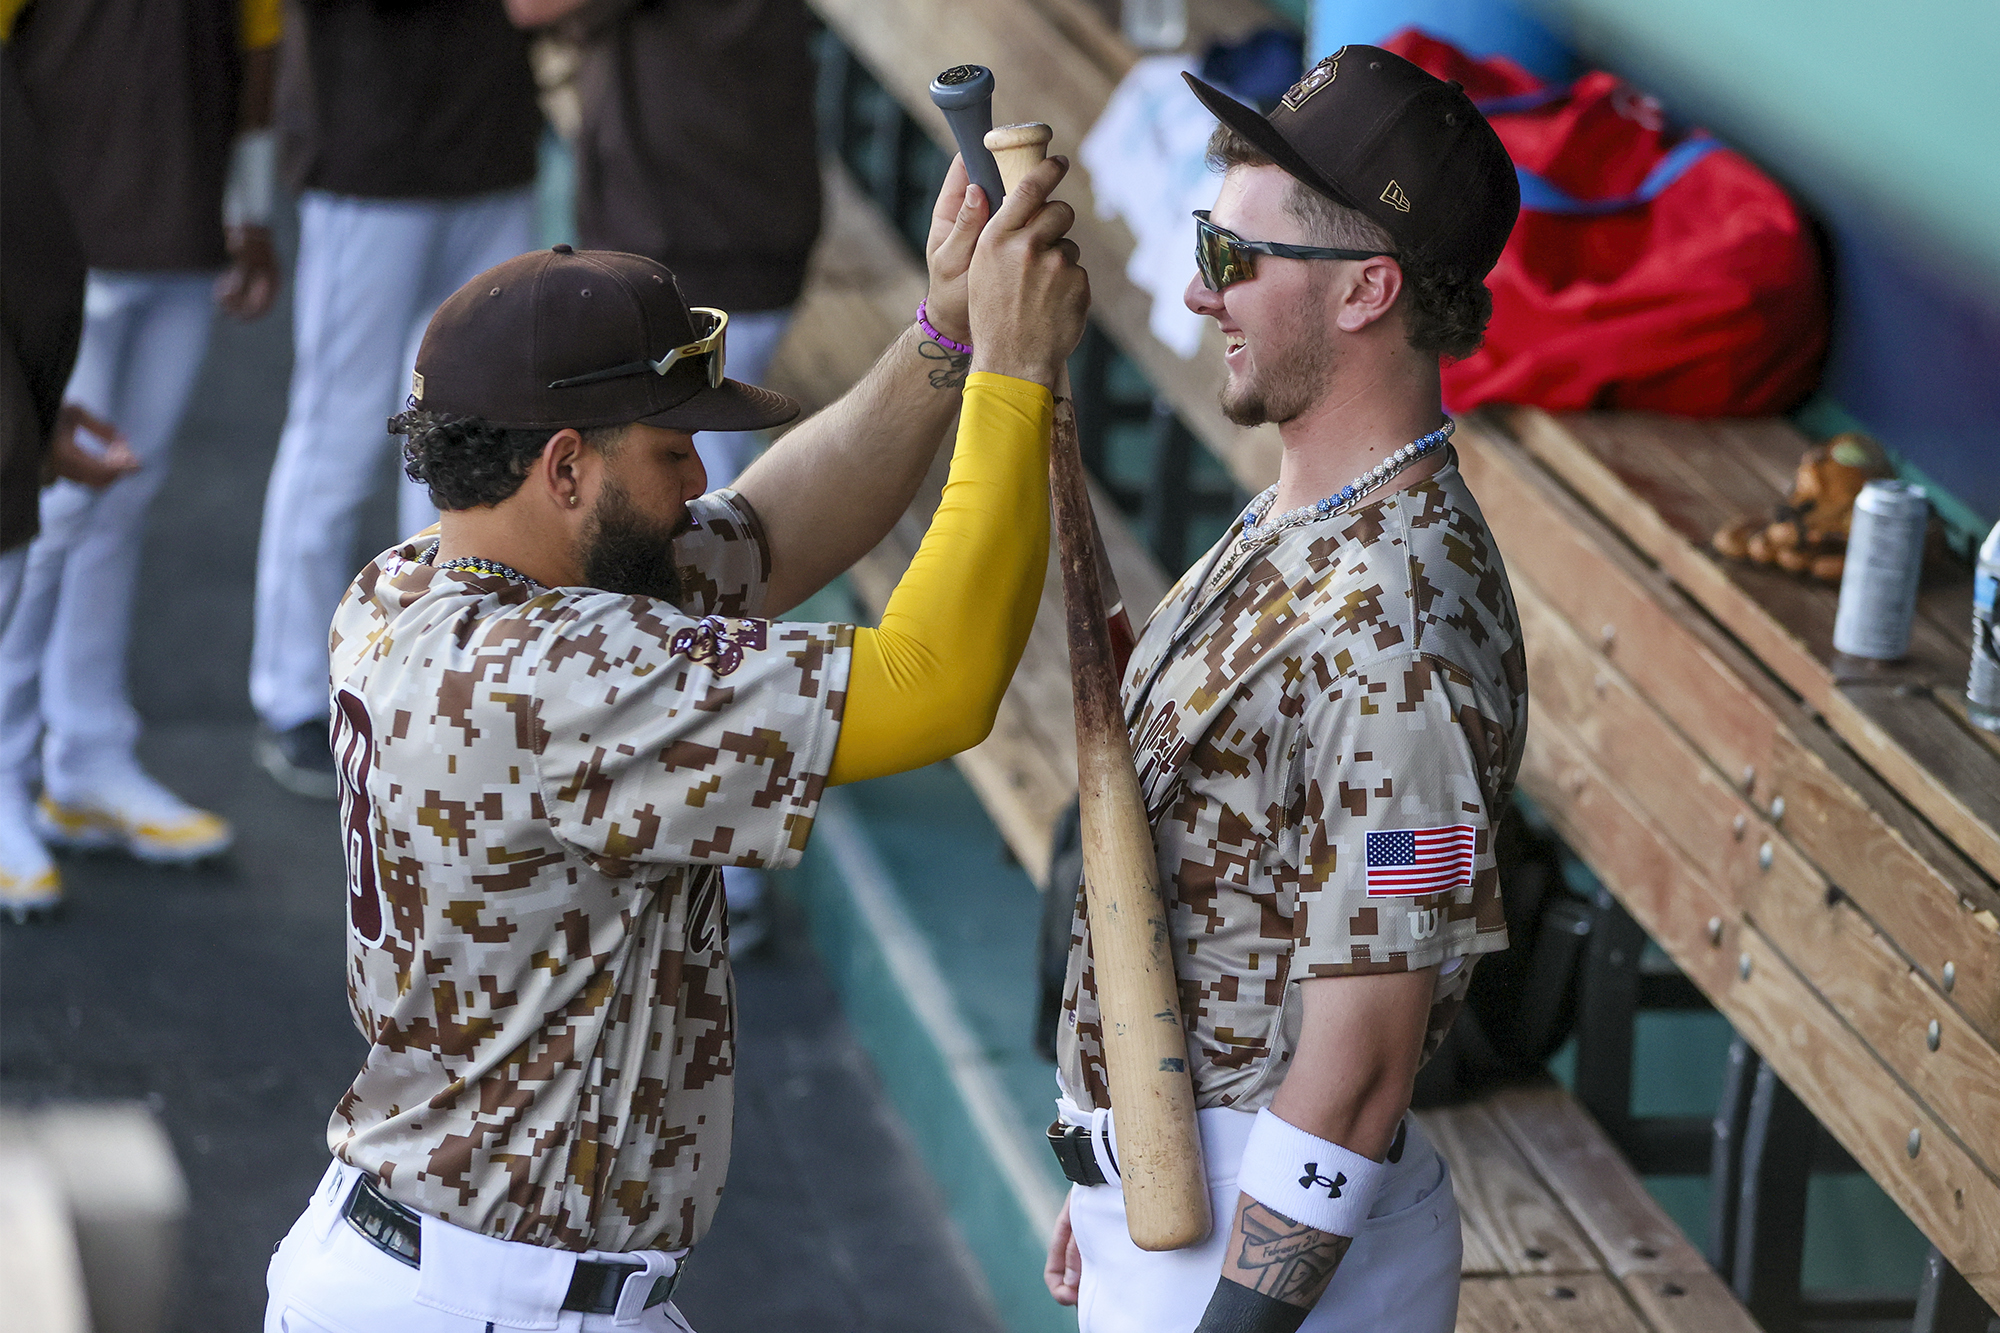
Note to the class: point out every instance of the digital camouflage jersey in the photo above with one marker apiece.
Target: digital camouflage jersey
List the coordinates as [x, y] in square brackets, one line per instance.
[538, 788]
[1332, 728]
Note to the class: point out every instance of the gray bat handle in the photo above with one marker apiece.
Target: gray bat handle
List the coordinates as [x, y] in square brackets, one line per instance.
[965, 94]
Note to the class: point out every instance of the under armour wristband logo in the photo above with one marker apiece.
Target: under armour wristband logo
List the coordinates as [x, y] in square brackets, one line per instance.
[1312, 1179]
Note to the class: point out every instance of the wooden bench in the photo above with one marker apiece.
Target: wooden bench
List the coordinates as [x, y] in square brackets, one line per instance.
[1559, 1233]
[1808, 839]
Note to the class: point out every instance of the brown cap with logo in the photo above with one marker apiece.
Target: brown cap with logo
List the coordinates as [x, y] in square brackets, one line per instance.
[509, 346]
[1370, 130]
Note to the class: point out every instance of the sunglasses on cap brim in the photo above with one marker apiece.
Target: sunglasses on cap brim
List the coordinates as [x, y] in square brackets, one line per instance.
[709, 345]
[1225, 258]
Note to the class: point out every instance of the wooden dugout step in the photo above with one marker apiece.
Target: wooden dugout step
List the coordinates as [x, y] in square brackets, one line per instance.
[1848, 941]
[1671, 482]
[1559, 1234]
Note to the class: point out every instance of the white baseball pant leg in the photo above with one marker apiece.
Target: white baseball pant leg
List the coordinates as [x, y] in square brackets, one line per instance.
[62, 653]
[1399, 1276]
[328, 1278]
[371, 272]
[753, 340]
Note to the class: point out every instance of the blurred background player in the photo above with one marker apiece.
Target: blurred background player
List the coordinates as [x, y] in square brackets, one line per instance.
[153, 116]
[697, 147]
[410, 131]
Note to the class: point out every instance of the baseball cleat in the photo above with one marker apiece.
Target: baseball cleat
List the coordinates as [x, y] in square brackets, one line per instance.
[136, 815]
[29, 884]
[299, 759]
[23, 897]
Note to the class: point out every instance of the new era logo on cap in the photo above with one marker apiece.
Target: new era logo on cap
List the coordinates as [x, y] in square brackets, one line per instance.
[1393, 196]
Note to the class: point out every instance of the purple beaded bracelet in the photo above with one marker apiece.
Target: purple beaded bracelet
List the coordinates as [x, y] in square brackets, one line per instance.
[930, 331]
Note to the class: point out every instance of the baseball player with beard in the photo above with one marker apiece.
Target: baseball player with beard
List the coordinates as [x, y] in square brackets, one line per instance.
[1327, 714]
[559, 717]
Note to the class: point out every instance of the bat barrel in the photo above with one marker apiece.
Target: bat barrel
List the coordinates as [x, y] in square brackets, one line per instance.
[1160, 1160]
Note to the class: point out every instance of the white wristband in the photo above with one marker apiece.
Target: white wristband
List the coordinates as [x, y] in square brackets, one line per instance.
[251, 195]
[1311, 1180]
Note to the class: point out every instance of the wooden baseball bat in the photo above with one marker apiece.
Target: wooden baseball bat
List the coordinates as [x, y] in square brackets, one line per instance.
[1145, 1047]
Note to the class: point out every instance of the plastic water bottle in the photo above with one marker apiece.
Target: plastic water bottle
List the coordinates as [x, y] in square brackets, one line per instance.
[1982, 690]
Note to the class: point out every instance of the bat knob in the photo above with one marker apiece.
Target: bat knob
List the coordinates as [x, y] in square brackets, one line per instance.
[962, 86]
[1018, 148]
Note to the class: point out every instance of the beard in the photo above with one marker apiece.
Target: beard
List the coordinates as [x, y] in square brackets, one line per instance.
[628, 553]
[1290, 376]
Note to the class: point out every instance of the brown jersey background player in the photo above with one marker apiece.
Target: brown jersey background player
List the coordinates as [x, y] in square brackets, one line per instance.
[1327, 713]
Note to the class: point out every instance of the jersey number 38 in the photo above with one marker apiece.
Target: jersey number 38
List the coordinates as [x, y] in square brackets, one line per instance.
[354, 756]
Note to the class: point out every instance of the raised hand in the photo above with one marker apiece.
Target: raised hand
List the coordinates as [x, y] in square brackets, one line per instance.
[1028, 294]
[956, 219]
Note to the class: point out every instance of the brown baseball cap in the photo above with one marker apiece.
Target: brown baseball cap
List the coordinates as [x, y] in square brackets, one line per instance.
[1370, 130]
[581, 338]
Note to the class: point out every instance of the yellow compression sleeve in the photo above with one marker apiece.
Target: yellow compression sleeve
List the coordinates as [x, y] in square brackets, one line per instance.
[927, 683]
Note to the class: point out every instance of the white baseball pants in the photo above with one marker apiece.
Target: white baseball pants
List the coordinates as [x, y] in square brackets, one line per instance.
[1399, 1276]
[328, 1278]
[62, 651]
[371, 272]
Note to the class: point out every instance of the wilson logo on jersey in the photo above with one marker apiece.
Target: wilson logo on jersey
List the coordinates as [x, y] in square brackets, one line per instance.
[1407, 862]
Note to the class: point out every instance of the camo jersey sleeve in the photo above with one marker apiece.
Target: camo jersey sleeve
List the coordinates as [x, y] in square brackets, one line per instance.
[700, 741]
[724, 558]
[1393, 847]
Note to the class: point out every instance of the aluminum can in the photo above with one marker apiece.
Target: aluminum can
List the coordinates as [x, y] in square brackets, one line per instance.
[1878, 587]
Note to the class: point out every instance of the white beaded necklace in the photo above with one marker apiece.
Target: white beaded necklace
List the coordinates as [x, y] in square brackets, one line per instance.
[1255, 528]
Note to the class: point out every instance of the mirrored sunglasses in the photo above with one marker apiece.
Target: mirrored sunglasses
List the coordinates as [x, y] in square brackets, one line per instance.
[1224, 257]
[710, 345]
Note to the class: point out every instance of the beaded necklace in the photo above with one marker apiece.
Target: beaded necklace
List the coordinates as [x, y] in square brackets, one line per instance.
[1255, 529]
[484, 568]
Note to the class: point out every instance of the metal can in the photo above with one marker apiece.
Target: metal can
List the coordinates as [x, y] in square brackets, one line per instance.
[1878, 587]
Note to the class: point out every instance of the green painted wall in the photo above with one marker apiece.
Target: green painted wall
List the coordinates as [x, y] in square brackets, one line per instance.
[1891, 105]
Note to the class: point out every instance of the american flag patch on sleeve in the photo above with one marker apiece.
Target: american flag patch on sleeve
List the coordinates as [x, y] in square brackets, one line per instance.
[1407, 862]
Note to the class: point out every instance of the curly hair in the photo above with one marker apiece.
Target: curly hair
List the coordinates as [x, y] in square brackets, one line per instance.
[468, 463]
[1445, 308]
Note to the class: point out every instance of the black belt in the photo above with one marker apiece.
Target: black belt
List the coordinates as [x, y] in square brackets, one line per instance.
[1078, 1159]
[398, 1233]
[1075, 1153]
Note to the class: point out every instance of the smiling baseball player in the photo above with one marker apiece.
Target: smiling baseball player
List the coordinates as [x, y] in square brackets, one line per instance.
[1327, 714]
[559, 719]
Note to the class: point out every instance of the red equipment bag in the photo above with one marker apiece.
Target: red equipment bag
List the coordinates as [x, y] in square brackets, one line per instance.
[1648, 271]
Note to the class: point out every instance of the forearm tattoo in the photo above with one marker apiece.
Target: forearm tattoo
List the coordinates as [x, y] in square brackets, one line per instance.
[950, 375]
[1273, 1273]
[1282, 1258]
